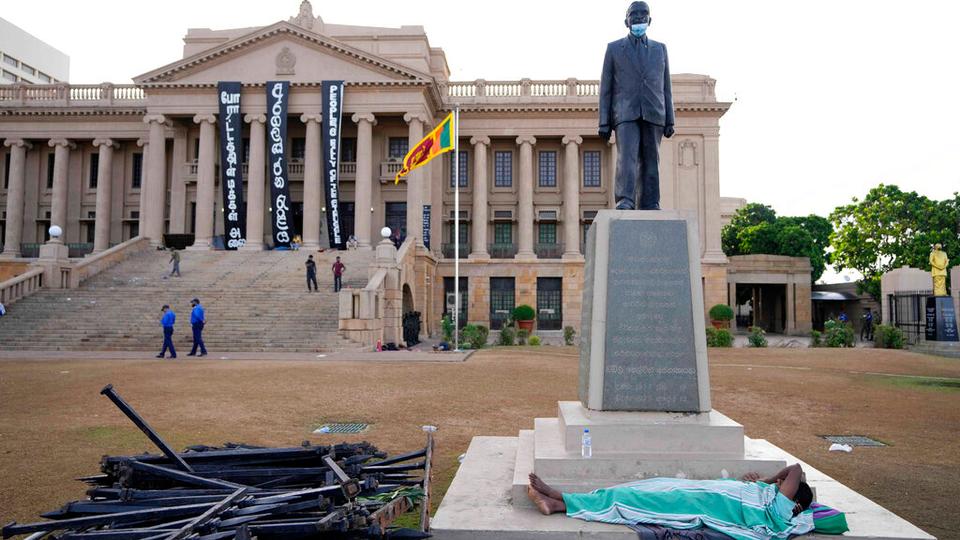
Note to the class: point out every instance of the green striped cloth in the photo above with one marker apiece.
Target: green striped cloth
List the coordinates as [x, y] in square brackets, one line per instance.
[742, 510]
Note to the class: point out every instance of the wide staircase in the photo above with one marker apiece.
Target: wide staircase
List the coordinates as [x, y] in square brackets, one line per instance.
[254, 301]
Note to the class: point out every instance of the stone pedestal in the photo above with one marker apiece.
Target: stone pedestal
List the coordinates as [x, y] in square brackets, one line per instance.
[941, 319]
[53, 256]
[644, 346]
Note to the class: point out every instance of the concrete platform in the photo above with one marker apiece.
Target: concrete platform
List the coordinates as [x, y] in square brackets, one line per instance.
[480, 503]
[542, 450]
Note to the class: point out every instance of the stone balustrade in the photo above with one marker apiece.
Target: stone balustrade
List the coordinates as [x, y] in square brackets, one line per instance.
[20, 286]
[63, 94]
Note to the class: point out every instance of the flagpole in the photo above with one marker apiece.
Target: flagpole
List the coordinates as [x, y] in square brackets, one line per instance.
[456, 227]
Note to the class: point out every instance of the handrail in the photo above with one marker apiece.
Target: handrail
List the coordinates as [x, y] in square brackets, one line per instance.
[72, 94]
[21, 286]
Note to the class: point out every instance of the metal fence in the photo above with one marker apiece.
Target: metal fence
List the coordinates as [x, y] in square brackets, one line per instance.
[907, 312]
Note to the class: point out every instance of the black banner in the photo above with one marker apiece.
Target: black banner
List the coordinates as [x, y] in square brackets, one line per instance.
[231, 173]
[426, 225]
[332, 110]
[278, 94]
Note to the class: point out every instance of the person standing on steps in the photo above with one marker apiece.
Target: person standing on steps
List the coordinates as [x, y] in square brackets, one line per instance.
[197, 320]
[338, 269]
[175, 259]
[311, 274]
[167, 320]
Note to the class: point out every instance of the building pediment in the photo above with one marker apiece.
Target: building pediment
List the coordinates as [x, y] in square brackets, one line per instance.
[282, 51]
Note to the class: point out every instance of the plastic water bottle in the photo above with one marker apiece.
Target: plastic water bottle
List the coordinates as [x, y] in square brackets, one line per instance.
[586, 445]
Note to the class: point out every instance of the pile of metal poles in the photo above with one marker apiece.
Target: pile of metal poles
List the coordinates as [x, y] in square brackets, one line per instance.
[244, 492]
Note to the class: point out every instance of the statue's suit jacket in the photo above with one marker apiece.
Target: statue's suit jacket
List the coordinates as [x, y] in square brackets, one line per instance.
[635, 84]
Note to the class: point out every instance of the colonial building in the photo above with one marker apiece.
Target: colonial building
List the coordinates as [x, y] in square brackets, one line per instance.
[108, 162]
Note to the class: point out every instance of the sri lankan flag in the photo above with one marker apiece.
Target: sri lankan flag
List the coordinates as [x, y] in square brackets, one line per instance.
[436, 142]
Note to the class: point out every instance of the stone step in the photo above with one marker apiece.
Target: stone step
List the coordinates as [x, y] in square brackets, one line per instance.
[555, 464]
[481, 504]
[650, 432]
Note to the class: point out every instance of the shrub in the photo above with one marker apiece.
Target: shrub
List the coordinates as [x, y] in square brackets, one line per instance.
[816, 338]
[568, 335]
[534, 341]
[838, 334]
[523, 312]
[447, 326]
[724, 338]
[721, 312]
[719, 338]
[757, 338]
[507, 335]
[887, 337]
[476, 335]
[522, 336]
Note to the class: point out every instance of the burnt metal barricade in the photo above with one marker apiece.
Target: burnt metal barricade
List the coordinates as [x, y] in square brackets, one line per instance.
[238, 491]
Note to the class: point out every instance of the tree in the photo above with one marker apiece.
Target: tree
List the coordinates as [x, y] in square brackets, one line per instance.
[756, 229]
[890, 228]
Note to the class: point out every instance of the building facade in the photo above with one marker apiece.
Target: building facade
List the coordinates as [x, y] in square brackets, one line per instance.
[27, 59]
[109, 162]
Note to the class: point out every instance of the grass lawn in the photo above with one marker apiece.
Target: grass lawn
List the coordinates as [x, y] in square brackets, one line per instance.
[54, 425]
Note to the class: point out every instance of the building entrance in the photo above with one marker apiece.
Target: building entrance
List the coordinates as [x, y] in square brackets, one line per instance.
[762, 305]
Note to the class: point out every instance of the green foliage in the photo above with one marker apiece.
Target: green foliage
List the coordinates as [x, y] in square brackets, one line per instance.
[719, 337]
[523, 312]
[838, 334]
[475, 334]
[568, 335]
[757, 337]
[507, 335]
[721, 312]
[816, 338]
[447, 326]
[756, 229]
[534, 341]
[887, 337]
[522, 336]
[891, 228]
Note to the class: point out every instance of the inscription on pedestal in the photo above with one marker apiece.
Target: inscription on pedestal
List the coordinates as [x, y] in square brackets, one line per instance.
[941, 319]
[650, 360]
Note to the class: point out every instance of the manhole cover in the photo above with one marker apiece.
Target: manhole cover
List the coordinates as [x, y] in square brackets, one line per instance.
[853, 440]
[342, 428]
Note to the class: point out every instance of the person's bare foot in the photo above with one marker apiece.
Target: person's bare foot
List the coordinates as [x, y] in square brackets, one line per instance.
[543, 488]
[545, 504]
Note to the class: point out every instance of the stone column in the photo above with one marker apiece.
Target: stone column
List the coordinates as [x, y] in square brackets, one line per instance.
[15, 192]
[312, 172]
[791, 328]
[142, 222]
[256, 186]
[414, 181]
[61, 168]
[101, 231]
[525, 213]
[481, 190]
[713, 247]
[156, 181]
[206, 180]
[571, 197]
[178, 187]
[363, 224]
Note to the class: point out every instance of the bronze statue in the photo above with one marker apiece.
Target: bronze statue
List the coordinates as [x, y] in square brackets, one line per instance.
[938, 270]
[636, 101]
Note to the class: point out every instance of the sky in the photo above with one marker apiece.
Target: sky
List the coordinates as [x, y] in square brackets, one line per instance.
[830, 98]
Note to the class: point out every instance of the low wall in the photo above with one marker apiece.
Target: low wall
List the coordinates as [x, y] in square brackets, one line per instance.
[94, 264]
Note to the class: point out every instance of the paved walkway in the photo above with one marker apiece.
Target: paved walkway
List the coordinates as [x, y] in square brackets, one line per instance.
[346, 356]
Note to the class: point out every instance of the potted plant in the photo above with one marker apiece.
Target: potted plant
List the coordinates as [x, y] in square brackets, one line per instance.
[720, 315]
[524, 316]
